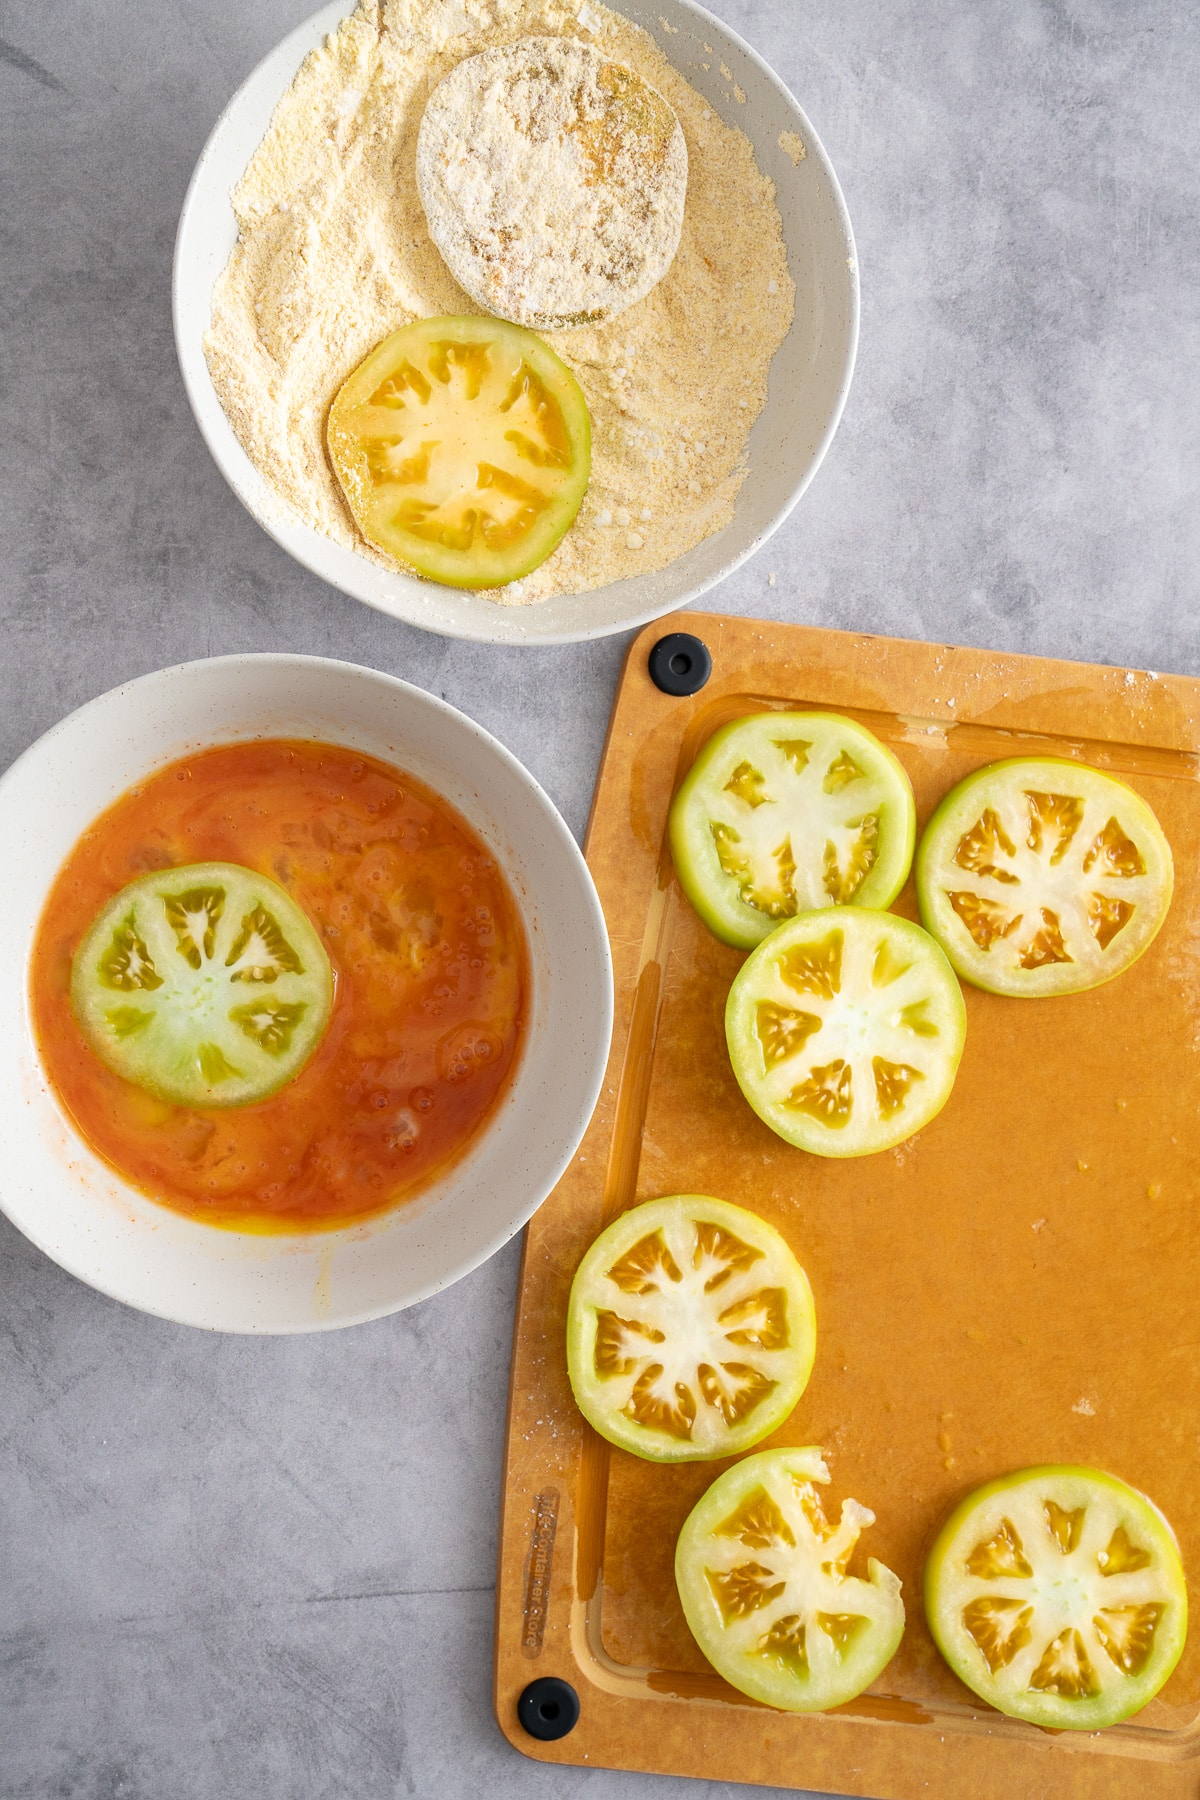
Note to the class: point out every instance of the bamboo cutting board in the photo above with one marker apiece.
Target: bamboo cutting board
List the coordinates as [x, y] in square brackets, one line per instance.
[1019, 1284]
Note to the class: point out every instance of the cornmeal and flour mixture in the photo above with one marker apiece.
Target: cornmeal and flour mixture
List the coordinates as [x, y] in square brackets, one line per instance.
[334, 253]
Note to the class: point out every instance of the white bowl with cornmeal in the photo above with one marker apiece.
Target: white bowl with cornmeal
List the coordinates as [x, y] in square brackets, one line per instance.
[809, 375]
[100, 1227]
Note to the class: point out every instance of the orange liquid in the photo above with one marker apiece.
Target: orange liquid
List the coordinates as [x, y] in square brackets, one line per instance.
[431, 984]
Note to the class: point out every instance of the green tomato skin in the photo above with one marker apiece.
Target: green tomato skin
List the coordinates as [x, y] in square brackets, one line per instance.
[737, 937]
[972, 968]
[715, 900]
[1045, 1709]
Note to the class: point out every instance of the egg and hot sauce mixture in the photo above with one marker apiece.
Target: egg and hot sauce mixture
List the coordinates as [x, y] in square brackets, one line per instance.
[431, 986]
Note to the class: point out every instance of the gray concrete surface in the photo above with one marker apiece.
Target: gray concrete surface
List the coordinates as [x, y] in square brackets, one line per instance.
[264, 1569]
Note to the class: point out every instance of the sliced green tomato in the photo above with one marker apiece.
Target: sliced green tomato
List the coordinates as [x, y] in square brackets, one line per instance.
[784, 812]
[1041, 876]
[690, 1332]
[1058, 1596]
[762, 1574]
[463, 447]
[205, 985]
[845, 1029]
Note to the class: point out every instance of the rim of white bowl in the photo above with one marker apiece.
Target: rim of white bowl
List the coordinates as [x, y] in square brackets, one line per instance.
[26, 1220]
[194, 270]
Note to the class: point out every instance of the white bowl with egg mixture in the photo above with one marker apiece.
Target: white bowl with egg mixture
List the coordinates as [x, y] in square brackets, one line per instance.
[809, 375]
[109, 1233]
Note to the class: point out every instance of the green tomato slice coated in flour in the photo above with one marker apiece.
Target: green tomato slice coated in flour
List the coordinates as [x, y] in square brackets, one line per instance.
[1057, 1594]
[845, 1029]
[690, 1331]
[206, 985]
[1042, 876]
[763, 1577]
[786, 811]
[463, 448]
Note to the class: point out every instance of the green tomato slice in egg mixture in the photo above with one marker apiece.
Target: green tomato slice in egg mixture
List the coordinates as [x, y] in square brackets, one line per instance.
[206, 985]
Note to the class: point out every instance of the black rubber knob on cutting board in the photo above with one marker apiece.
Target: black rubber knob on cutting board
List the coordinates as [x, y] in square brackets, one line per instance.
[680, 664]
[548, 1708]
